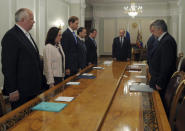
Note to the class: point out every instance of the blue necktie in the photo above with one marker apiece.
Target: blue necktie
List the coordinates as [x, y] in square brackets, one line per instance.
[94, 42]
[74, 36]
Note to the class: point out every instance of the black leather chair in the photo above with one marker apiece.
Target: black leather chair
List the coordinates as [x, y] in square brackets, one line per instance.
[180, 119]
[182, 66]
[176, 107]
[179, 59]
[175, 80]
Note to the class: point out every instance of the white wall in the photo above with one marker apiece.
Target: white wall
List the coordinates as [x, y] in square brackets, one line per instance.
[113, 25]
[109, 33]
[114, 12]
[77, 8]
[47, 13]
[88, 12]
[57, 10]
[5, 24]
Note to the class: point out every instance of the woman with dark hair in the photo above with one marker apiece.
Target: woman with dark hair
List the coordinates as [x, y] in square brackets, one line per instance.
[54, 58]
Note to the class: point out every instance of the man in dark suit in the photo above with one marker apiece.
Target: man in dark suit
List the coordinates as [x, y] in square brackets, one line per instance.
[82, 50]
[163, 60]
[91, 47]
[20, 61]
[152, 43]
[70, 46]
[121, 48]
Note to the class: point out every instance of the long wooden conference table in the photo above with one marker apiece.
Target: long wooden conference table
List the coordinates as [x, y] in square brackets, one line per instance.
[104, 103]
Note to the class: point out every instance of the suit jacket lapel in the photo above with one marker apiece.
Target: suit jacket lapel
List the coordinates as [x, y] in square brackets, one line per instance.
[119, 43]
[72, 36]
[157, 47]
[25, 41]
[34, 44]
[93, 42]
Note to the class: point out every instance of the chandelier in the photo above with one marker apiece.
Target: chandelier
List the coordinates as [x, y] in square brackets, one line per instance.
[133, 10]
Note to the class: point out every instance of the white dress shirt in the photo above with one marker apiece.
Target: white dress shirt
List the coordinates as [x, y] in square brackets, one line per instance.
[161, 36]
[27, 35]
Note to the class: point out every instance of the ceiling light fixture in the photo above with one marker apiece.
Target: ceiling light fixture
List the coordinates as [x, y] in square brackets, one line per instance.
[133, 10]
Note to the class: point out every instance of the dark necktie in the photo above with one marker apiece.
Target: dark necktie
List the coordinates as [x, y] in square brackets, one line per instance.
[30, 39]
[83, 44]
[121, 41]
[74, 36]
[94, 42]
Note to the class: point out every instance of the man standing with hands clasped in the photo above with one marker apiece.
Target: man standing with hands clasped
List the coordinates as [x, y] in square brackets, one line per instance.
[91, 47]
[163, 60]
[20, 61]
[70, 47]
[121, 48]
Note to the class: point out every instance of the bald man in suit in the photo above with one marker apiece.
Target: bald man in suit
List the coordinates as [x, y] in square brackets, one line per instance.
[121, 48]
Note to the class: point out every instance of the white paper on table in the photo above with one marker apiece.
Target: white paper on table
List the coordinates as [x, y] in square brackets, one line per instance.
[64, 98]
[140, 64]
[125, 76]
[142, 84]
[141, 77]
[73, 83]
[87, 74]
[140, 88]
[98, 67]
[133, 71]
[107, 62]
[133, 66]
[138, 83]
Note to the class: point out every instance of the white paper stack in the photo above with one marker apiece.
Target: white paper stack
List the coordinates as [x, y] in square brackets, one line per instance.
[107, 62]
[133, 71]
[98, 67]
[73, 83]
[142, 84]
[140, 64]
[142, 77]
[133, 67]
[140, 88]
[87, 74]
[138, 83]
[64, 98]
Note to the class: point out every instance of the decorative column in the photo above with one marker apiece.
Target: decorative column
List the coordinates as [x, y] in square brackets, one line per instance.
[181, 47]
[77, 8]
[82, 13]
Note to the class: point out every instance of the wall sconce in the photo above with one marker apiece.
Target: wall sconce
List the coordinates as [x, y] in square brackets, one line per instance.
[59, 23]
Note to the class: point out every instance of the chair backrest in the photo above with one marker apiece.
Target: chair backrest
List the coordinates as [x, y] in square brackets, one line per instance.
[180, 119]
[179, 59]
[181, 66]
[173, 84]
[178, 97]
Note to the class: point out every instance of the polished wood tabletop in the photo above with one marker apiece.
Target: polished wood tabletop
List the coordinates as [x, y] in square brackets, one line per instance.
[104, 103]
[135, 111]
[86, 112]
